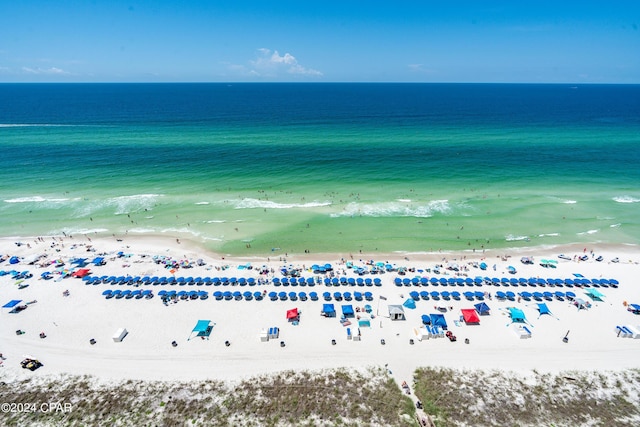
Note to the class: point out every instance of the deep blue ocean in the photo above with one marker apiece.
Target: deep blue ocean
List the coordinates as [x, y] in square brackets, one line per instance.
[260, 168]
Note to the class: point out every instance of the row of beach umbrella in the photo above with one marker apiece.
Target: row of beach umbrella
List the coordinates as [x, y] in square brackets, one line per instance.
[506, 281]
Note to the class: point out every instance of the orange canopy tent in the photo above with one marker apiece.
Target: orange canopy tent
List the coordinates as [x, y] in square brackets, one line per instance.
[470, 316]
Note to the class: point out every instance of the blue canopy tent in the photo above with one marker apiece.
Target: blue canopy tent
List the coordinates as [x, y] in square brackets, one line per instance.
[543, 309]
[517, 316]
[202, 329]
[328, 310]
[426, 319]
[410, 303]
[482, 308]
[594, 294]
[437, 319]
[13, 305]
[634, 308]
[347, 311]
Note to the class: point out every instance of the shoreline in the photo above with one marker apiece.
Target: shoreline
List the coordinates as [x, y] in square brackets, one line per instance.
[146, 354]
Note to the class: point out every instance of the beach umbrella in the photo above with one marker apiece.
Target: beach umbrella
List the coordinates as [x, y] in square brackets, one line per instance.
[434, 281]
[435, 295]
[424, 281]
[326, 296]
[468, 295]
[547, 295]
[377, 282]
[302, 296]
[424, 295]
[368, 296]
[311, 281]
[337, 296]
[479, 295]
[414, 295]
[347, 296]
[251, 281]
[398, 281]
[446, 295]
[368, 281]
[107, 292]
[313, 296]
[443, 281]
[452, 281]
[479, 281]
[257, 295]
[293, 296]
[357, 296]
[455, 295]
[510, 295]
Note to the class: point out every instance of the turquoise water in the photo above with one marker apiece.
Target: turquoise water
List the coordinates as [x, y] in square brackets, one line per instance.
[258, 169]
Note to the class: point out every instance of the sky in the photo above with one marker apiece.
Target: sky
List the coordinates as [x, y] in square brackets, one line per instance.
[561, 41]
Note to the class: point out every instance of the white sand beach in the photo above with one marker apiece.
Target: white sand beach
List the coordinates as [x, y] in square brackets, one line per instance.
[71, 321]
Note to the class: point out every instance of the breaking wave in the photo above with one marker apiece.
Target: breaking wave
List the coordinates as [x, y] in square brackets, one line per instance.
[268, 204]
[397, 209]
[626, 199]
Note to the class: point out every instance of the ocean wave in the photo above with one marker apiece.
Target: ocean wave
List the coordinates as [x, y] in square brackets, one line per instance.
[202, 203]
[121, 205]
[142, 230]
[133, 203]
[70, 231]
[594, 231]
[38, 199]
[549, 235]
[215, 221]
[390, 209]
[615, 225]
[569, 202]
[512, 238]
[626, 199]
[268, 204]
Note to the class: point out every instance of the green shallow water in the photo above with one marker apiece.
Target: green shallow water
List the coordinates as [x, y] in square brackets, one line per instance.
[302, 171]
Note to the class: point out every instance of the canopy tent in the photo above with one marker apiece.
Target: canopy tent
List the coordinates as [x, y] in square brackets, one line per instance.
[293, 314]
[482, 308]
[470, 316]
[396, 312]
[12, 303]
[438, 319]
[410, 303]
[517, 315]
[347, 311]
[594, 294]
[543, 309]
[81, 273]
[202, 329]
[634, 308]
[328, 310]
[364, 322]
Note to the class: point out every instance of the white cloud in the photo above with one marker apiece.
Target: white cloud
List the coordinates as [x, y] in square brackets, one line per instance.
[272, 64]
[46, 71]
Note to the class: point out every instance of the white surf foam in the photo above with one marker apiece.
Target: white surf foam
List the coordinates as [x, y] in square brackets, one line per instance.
[268, 204]
[626, 199]
[513, 238]
[391, 209]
